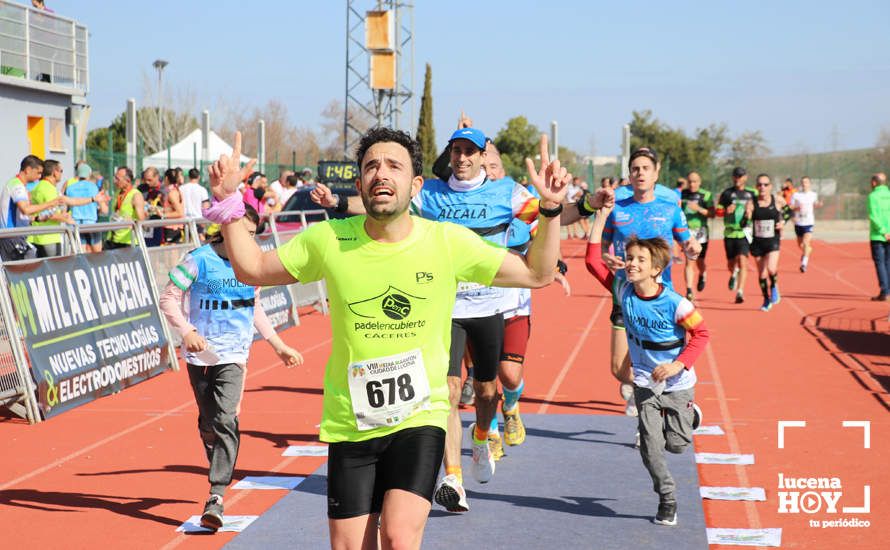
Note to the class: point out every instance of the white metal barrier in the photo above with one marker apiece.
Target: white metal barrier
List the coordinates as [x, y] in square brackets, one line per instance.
[17, 388]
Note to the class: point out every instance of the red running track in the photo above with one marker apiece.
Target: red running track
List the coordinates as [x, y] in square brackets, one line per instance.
[127, 470]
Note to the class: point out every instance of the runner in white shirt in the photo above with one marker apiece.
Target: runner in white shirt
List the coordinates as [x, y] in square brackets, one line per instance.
[803, 203]
[193, 195]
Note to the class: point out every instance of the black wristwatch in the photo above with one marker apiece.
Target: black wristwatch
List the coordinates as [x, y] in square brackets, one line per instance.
[342, 204]
[583, 207]
[549, 212]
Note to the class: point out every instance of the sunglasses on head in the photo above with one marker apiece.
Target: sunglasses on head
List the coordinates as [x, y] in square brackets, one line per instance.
[647, 152]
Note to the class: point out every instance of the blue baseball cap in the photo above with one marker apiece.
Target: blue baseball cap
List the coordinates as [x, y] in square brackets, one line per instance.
[476, 137]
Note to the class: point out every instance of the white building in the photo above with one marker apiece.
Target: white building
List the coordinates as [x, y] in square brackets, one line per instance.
[44, 80]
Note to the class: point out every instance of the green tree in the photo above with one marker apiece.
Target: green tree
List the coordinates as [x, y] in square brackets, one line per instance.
[680, 153]
[674, 147]
[747, 147]
[516, 141]
[426, 134]
[572, 161]
[98, 138]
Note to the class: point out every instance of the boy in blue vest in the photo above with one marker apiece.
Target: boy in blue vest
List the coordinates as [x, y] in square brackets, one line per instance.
[216, 339]
[657, 321]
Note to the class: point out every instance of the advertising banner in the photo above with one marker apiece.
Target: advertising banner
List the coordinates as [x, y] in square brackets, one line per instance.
[90, 324]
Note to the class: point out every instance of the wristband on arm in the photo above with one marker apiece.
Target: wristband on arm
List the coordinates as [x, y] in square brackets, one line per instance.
[549, 212]
[225, 211]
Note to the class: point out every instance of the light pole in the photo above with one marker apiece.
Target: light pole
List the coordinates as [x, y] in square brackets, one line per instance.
[159, 64]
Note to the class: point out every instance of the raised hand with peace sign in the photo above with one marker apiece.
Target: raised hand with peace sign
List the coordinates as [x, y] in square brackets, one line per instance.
[226, 174]
[551, 180]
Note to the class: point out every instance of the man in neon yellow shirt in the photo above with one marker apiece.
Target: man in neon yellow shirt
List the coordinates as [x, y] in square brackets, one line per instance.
[44, 192]
[392, 280]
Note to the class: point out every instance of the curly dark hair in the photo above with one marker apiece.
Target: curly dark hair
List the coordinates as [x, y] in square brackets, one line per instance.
[378, 135]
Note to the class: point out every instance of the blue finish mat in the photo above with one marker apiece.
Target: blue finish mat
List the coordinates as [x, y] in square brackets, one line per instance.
[576, 482]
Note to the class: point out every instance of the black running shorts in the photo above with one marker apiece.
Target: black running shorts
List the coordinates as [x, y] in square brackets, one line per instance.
[762, 247]
[735, 247]
[486, 337]
[360, 473]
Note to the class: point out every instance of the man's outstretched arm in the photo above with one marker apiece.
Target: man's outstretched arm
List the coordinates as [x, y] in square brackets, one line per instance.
[252, 266]
[537, 268]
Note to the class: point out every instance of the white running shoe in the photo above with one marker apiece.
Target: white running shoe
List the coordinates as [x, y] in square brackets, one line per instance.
[483, 461]
[627, 391]
[450, 495]
[631, 408]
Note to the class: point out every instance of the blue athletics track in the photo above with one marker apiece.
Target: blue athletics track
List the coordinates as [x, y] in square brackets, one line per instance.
[128, 470]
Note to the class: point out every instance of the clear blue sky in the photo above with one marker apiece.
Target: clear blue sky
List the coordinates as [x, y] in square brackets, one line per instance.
[792, 69]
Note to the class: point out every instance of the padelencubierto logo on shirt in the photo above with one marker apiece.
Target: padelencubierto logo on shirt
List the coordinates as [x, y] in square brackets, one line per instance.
[388, 314]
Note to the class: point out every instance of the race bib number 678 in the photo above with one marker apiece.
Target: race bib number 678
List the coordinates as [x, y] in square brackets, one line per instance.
[387, 390]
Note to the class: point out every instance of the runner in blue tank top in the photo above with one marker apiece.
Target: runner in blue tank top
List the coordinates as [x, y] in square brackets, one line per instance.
[643, 215]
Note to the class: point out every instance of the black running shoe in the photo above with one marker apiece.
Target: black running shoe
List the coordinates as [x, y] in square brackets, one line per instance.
[701, 283]
[667, 513]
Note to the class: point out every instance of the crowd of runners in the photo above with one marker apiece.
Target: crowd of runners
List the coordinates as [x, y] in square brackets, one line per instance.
[414, 301]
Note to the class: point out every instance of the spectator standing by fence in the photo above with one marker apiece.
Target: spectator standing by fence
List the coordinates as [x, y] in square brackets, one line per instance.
[278, 186]
[879, 232]
[16, 208]
[255, 192]
[46, 191]
[194, 195]
[151, 192]
[80, 189]
[290, 188]
[130, 206]
[173, 208]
